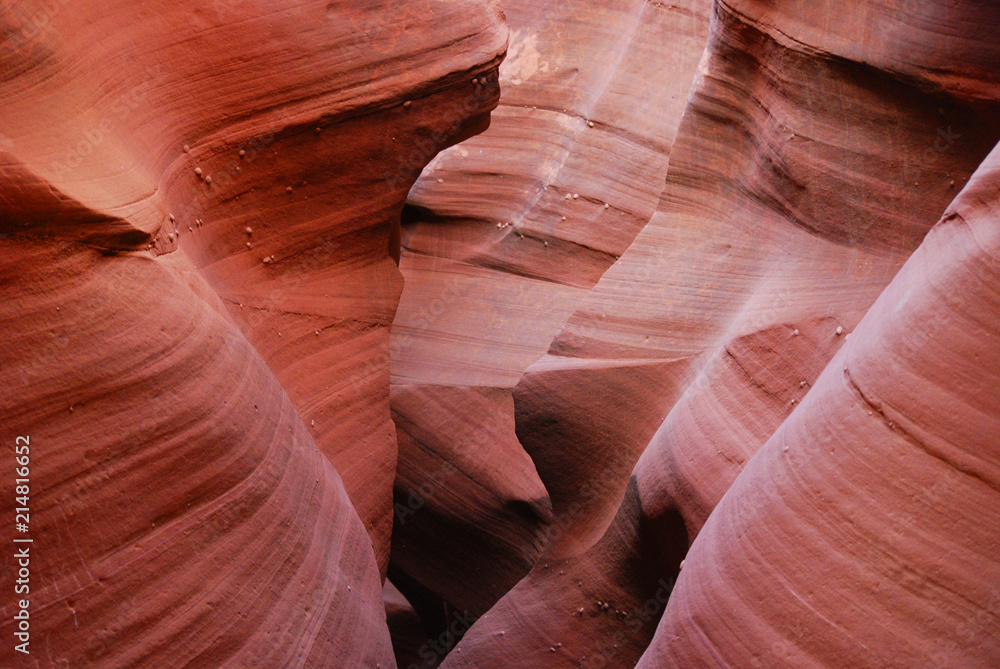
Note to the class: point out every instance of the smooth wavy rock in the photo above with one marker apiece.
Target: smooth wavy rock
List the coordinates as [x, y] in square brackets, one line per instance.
[503, 236]
[269, 146]
[802, 177]
[180, 511]
[865, 533]
[224, 181]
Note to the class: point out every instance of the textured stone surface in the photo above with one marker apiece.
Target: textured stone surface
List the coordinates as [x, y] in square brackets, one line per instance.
[803, 175]
[199, 210]
[866, 526]
[712, 303]
[504, 236]
[181, 512]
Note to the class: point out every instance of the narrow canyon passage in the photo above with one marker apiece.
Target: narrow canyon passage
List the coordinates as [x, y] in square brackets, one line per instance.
[500, 335]
[643, 345]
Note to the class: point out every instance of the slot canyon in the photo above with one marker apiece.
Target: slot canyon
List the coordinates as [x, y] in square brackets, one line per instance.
[500, 334]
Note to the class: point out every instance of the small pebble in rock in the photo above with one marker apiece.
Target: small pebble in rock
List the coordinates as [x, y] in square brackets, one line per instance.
[406, 105]
[840, 330]
[546, 244]
[249, 245]
[795, 333]
[569, 196]
[171, 216]
[475, 81]
[682, 564]
[197, 171]
[242, 153]
[267, 261]
[440, 181]
[802, 384]
[607, 206]
[288, 190]
[576, 196]
[208, 179]
[170, 236]
[590, 124]
[186, 148]
[249, 230]
[319, 130]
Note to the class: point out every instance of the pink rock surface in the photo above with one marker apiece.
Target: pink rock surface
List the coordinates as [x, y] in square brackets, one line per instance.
[505, 234]
[285, 114]
[864, 532]
[199, 208]
[799, 183]
[712, 302]
[180, 512]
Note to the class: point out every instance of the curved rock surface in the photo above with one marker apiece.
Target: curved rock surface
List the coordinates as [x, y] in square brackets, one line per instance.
[199, 212]
[711, 304]
[803, 175]
[504, 235]
[180, 512]
[867, 522]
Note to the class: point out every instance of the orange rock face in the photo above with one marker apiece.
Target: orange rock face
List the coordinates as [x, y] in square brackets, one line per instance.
[199, 213]
[614, 334]
[504, 236]
[811, 160]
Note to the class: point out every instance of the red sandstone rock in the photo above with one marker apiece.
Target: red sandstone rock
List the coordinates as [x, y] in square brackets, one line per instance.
[797, 186]
[865, 533]
[216, 193]
[591, 371]
[506, 233]
[180, 512]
